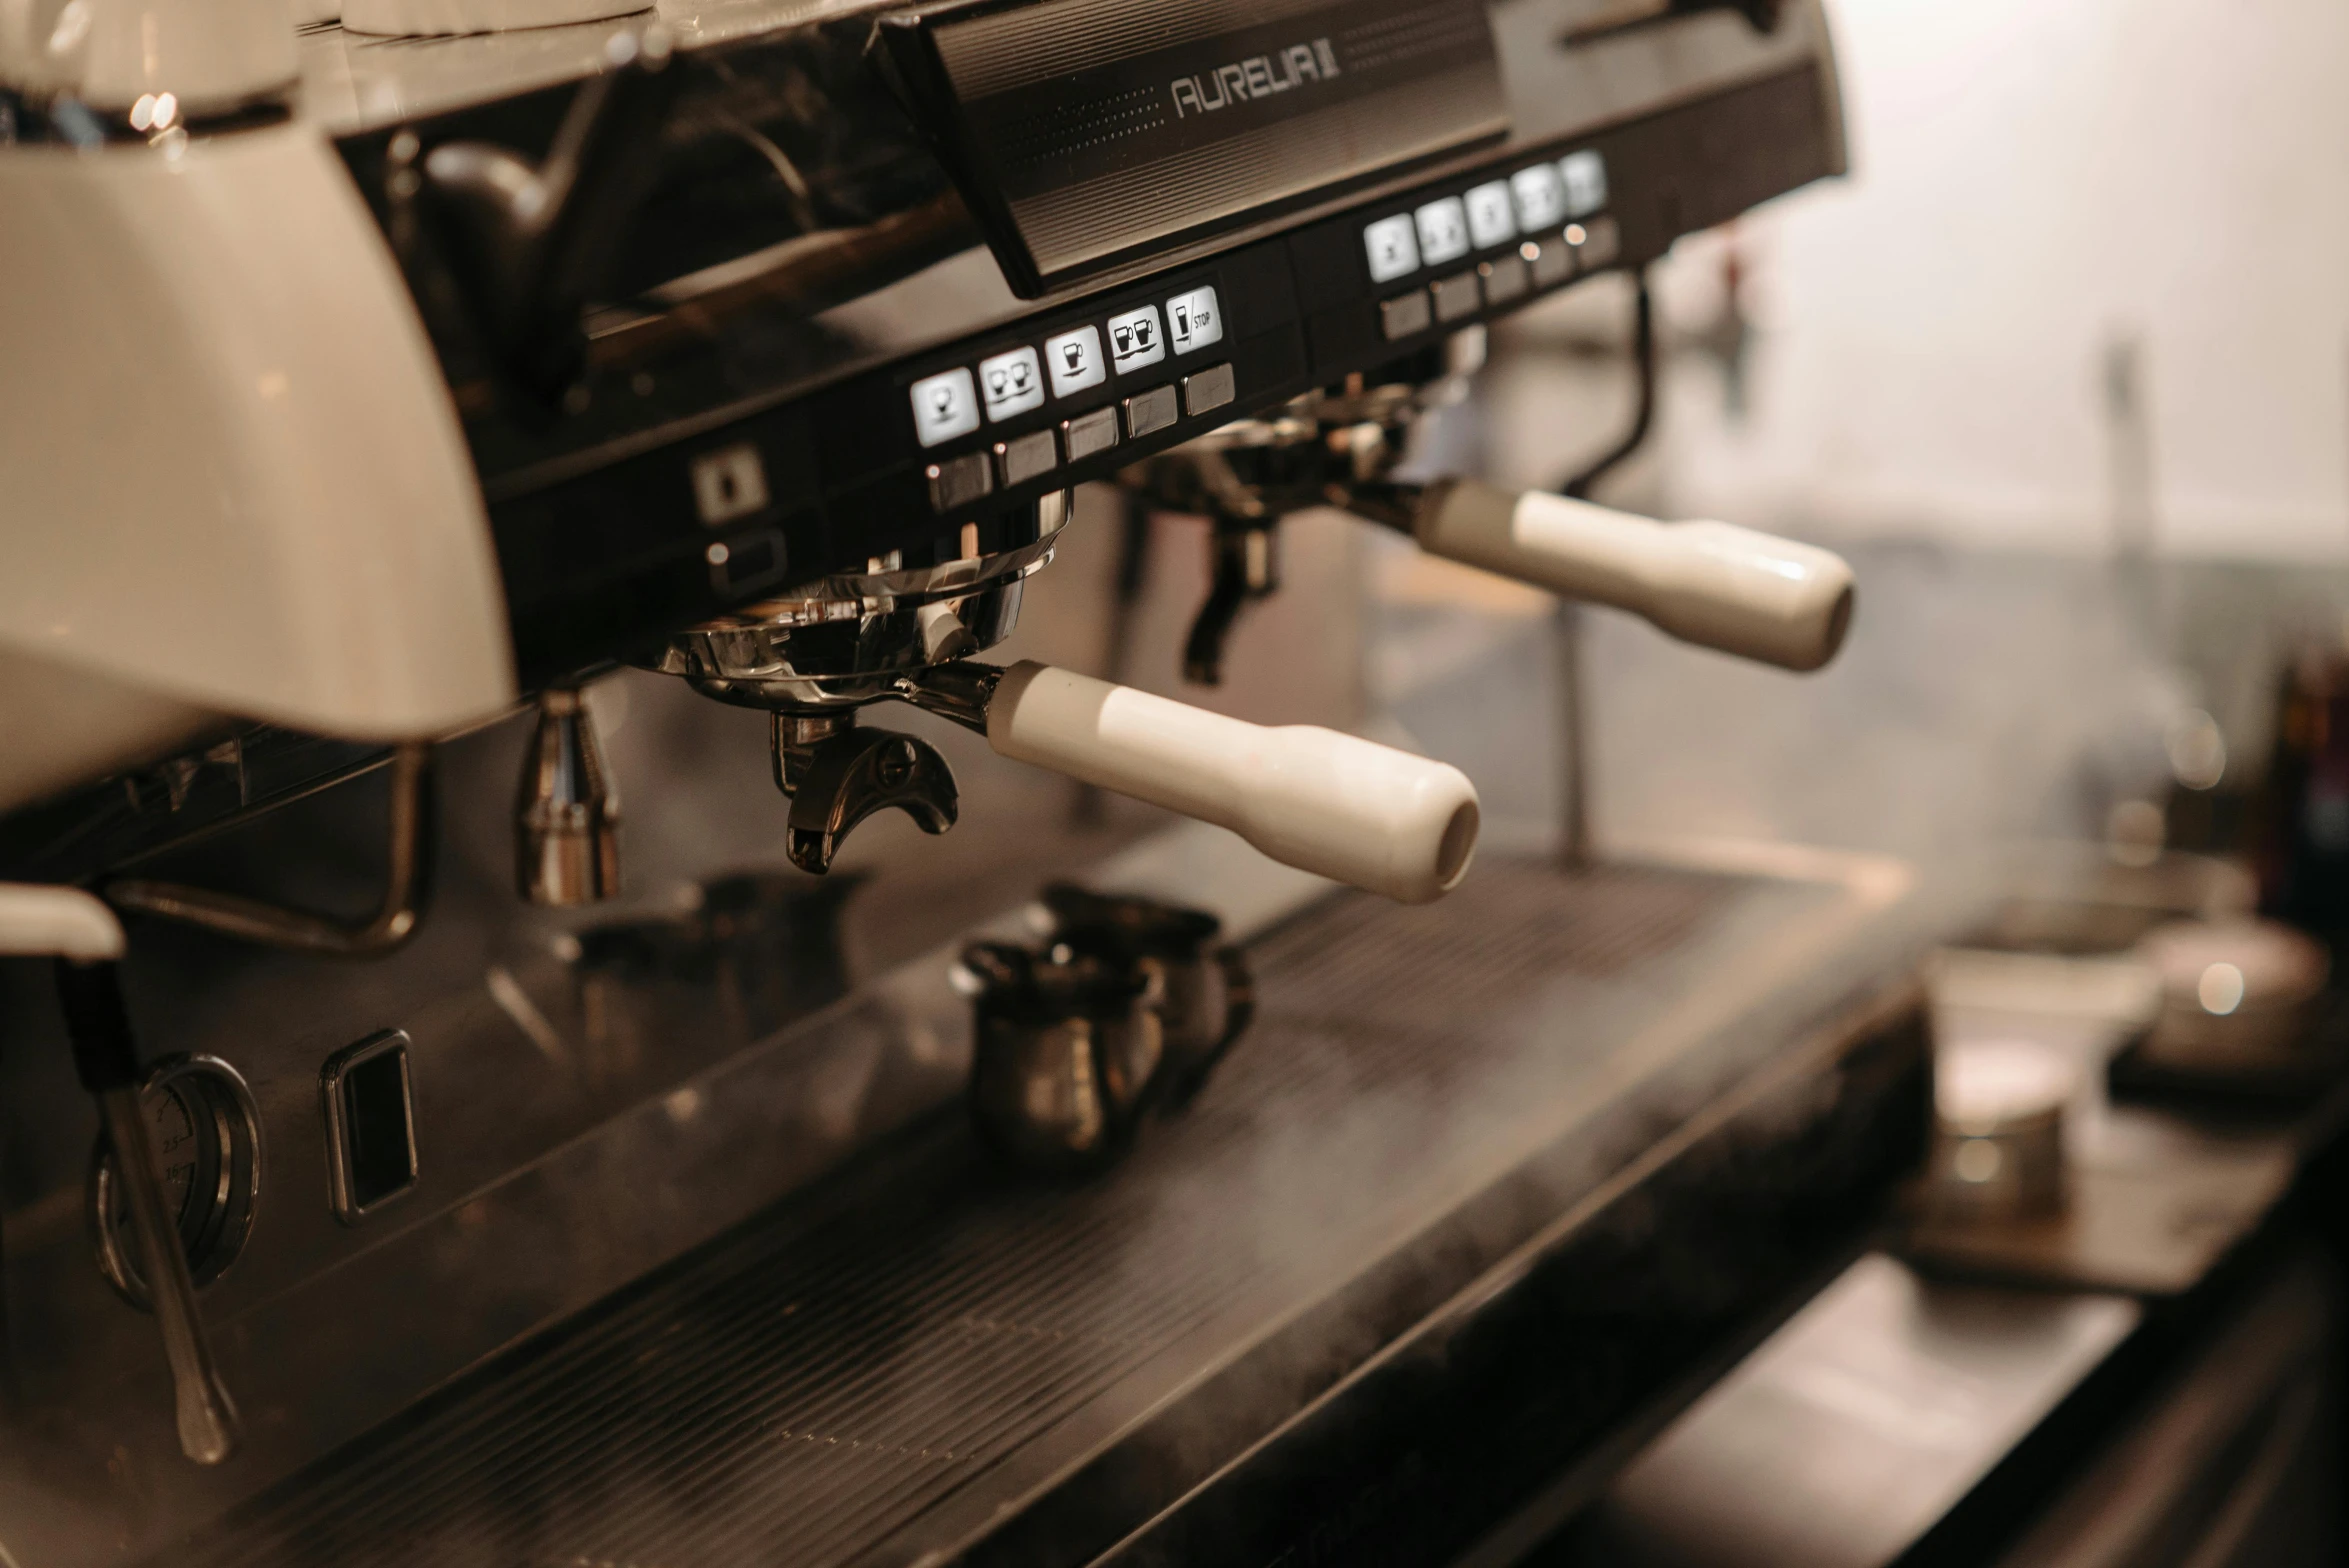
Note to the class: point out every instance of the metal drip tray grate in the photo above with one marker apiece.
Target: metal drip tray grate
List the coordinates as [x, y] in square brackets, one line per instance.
[807, 1387]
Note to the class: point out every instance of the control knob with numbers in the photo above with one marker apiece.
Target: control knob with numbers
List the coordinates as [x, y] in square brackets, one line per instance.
[208, 1137]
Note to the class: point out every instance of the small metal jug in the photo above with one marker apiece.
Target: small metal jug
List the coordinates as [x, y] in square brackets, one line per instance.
[1066, 1052]
[1207, 996]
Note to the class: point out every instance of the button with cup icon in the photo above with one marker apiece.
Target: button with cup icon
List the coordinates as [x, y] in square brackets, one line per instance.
[1135, 339]
[1492, 216]
[1541, 197]
[1012, 383]
[1074, 359]
[1194, 320]
[945, 406]
[1393, 246]
[1443, 231]
[1583, 177]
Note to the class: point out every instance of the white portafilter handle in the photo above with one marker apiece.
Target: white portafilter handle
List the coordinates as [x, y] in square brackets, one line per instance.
[1713, 584]
[38, 920]
[1336, 805]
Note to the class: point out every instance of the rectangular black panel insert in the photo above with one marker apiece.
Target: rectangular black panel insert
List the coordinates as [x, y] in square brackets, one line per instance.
[1083, 130]
[370, 1124]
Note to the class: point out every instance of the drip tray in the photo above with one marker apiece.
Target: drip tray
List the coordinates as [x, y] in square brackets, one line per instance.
[1483, 1184]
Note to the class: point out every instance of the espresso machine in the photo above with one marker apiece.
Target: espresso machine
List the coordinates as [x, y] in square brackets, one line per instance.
[405, 1164]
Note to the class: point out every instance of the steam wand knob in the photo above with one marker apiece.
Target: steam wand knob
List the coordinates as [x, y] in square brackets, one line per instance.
[84, 937]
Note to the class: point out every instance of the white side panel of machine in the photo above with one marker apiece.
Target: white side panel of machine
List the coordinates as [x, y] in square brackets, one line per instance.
[234, 476]
[61, 726]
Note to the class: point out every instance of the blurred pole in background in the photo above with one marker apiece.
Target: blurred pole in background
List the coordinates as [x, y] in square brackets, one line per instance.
[2128, 425]
[1574, 846]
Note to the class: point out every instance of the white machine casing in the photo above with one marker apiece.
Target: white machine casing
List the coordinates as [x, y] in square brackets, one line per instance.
[237, 486]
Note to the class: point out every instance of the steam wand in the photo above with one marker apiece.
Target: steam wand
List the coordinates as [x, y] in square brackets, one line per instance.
[87, 941]
[1574, 720]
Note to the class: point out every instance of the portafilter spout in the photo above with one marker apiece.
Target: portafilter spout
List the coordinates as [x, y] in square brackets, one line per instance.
[1325, 802]
[814, 657]
[1322, 801]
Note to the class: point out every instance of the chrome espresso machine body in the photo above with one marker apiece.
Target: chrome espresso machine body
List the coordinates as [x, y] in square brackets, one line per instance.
[434, 403]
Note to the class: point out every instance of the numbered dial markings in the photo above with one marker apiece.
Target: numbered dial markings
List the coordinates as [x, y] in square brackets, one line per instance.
[207, 1135]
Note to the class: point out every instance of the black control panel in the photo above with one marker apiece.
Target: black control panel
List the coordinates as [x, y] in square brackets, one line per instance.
[941, 455]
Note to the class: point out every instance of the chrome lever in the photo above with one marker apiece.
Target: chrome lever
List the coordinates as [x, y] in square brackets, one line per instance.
[407, 884]
[86, 940]
[207, 1416]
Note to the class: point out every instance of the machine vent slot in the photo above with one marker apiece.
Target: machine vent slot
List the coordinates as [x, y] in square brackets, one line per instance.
[371, 1124]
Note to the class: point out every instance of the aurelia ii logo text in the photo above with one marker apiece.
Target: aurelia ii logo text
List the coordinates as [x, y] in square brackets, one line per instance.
[1259, 76]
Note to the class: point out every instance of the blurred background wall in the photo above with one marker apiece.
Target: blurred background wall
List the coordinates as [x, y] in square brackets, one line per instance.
[2063, 365]
[2091, 276]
